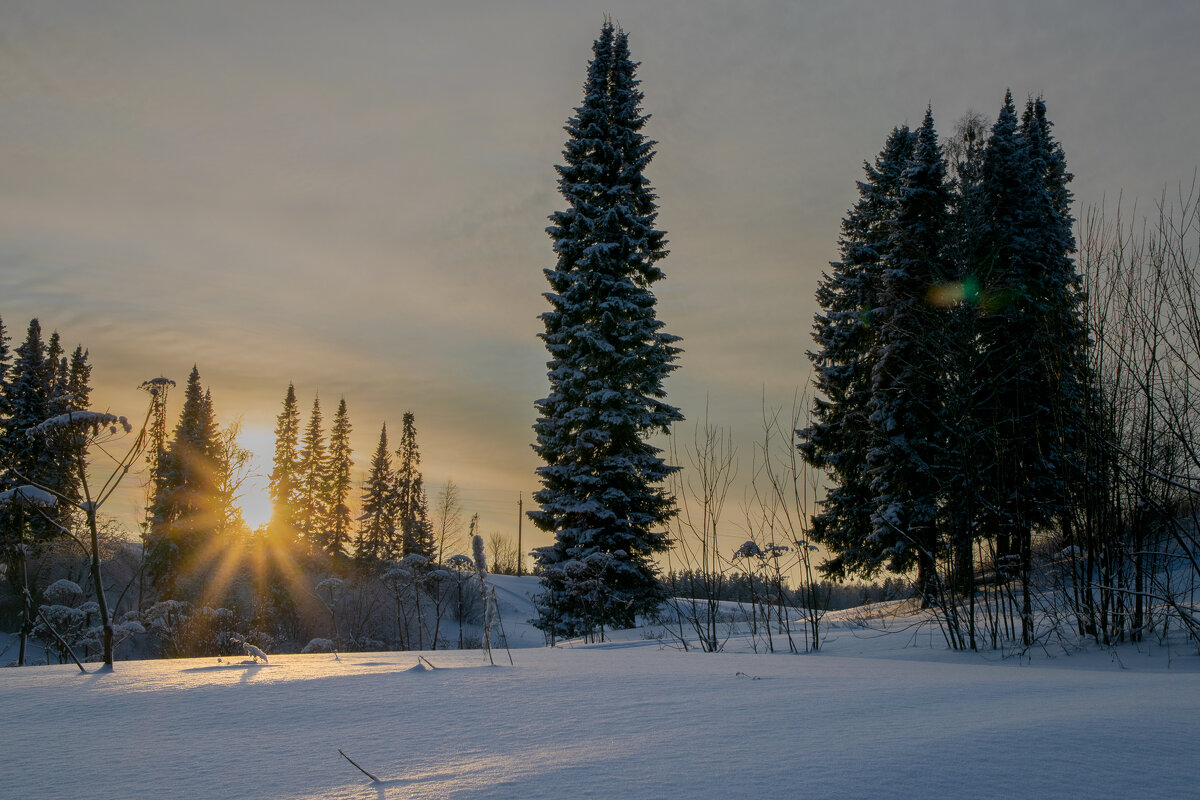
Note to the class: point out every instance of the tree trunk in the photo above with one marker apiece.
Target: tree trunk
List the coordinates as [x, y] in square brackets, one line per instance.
[26, 600]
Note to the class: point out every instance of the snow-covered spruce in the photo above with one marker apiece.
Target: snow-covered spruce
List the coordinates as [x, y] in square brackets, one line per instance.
[839, 436]
[906, 441]
[602, 481]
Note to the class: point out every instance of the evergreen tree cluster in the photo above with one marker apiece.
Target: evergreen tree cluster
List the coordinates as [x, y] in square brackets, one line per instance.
[602, 494]
[950, 357]
[310, 487]
[38, 380]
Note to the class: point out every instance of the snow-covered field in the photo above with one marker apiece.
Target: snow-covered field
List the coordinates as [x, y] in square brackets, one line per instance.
[875, 714]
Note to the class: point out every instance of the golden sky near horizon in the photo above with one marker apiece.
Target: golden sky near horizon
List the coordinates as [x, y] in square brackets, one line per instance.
[352, 196]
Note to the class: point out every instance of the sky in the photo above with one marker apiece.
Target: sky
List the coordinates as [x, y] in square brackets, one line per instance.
[352, 196]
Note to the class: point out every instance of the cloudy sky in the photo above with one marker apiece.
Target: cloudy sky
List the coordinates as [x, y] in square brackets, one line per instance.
[352, 195]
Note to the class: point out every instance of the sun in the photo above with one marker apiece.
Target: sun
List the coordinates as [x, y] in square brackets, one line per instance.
[254, 494]
[255, 502]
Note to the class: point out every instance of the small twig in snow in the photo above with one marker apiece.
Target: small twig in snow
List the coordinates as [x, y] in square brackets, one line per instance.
[360, 769]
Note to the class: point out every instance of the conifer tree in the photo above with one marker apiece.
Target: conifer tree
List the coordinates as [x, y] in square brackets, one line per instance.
[1032, 338]
[602, 494]
[1004, 195]
[311, 469]
[56, 370]
[283, 483]
[67, 387]
[24, 460]
[79, 375]
[846, 333]
[187, 510]
[156, 446]
[961, 475]
[377, 538]
[5, 364]
[1062, 334]
[29, 459]
[412, 507]
[5, 443]
[336, 528]
[5, 361]
[906, 383]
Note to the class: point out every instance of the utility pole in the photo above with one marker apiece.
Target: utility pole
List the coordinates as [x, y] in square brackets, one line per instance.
[520, 517]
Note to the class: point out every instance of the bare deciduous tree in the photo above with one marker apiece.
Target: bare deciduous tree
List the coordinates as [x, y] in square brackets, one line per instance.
[703, 485]
[447, 521]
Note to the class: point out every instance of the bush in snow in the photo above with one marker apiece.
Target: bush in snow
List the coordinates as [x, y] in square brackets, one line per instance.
[181, 630]
[63, 592]
[68, 622]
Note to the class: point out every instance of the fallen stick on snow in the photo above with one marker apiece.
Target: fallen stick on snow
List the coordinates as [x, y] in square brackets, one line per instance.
[360, 769]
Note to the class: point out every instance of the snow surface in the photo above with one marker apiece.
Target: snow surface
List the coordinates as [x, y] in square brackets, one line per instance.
[883, 711]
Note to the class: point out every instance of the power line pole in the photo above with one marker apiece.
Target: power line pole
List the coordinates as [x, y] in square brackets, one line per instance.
[520, 517]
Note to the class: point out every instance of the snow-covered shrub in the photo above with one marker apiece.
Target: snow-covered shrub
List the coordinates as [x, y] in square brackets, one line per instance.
[64, 593]
[70, 623]
[318, 645]
[66, 615]
[182, 630]
[261, 639]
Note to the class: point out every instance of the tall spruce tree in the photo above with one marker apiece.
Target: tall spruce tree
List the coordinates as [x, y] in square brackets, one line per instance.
[310, 475]
[156, 447]
[1032, 337]
[377, 539]
[906, 401]
[5, 420]
[1002, 363]
[5, 364]
[188, 509]
[846, 333]
[26, 460]
[335, 531]
[602, 494]
[5, 361]
[961, 474]
[30, 400]
[283, 483]
[28, 403]
[1063, 335]
[412, 507]
[67, 380]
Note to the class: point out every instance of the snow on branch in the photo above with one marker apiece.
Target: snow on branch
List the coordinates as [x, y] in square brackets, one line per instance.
[30, 495]
[84, 420]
